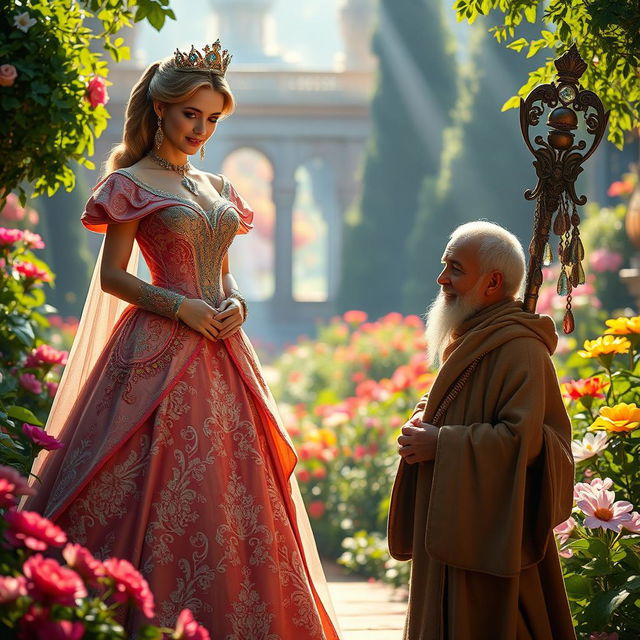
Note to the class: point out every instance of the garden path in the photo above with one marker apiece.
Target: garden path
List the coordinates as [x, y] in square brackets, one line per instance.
[365, 610]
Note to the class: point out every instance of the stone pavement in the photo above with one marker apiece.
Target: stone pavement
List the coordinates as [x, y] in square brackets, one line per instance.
[365, 610]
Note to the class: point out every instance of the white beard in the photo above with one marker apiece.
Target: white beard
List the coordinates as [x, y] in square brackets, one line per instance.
[443, 318]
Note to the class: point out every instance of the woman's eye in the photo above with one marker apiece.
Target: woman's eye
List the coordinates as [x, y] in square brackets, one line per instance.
[189, 114]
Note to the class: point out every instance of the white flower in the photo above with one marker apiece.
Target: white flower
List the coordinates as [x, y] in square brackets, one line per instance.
[23, 21]
[591, 445]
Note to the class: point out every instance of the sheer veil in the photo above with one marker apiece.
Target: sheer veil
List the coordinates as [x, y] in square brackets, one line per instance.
[99, 315]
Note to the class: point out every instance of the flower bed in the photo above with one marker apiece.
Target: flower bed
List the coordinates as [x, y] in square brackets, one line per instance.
[345, 397]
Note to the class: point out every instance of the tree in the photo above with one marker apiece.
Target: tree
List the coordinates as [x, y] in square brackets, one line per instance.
[485, 167]
[410, 109]
[606, 33]
[53, 84]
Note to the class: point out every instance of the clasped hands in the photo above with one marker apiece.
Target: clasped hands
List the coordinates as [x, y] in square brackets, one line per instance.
[418, 441]
[214, 324]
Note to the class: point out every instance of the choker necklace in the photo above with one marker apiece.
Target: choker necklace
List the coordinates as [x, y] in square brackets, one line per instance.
[188, 183]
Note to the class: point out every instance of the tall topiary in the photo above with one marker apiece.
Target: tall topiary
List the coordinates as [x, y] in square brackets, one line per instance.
[485, 170]
[415, 91]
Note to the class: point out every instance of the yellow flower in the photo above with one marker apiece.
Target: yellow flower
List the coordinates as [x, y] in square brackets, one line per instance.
[620, 419]
[623, 326]
[605, 345]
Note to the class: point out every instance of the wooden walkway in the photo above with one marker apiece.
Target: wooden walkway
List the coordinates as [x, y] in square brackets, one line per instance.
[366, 610]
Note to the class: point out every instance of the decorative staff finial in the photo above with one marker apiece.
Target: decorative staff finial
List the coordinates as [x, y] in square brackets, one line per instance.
[558, 161]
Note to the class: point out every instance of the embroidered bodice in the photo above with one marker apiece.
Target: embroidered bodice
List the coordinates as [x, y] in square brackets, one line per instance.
[182, 244]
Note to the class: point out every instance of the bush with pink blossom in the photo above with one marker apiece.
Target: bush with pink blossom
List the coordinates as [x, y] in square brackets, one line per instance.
[29, 366]
[53, 589]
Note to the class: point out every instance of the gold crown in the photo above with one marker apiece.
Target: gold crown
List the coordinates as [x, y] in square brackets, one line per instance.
[213, 59]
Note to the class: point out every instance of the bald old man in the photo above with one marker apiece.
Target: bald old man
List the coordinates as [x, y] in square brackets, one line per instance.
[486, 470]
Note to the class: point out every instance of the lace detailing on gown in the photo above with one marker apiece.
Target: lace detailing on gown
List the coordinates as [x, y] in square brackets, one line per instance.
[159, 300]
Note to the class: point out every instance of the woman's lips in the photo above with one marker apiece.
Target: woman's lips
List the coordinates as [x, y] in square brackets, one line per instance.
[194, 141]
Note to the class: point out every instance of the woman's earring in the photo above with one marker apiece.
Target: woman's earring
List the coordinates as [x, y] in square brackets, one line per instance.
[159, 137]
[202, 152]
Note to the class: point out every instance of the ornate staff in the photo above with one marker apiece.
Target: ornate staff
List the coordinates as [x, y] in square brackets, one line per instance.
[558, 163]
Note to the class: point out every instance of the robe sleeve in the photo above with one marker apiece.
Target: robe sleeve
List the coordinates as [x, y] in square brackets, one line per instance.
[242, 207]
[118, 199]
[499, 488]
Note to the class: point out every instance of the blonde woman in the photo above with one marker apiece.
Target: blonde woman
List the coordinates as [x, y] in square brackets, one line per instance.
[175, 457]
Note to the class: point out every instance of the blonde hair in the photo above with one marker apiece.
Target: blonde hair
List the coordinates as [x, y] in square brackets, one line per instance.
[498, 250]
[164, 82]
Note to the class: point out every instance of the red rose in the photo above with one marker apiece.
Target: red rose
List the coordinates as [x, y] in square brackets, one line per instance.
[12, 484]
[29, 529]
[188, 629]
[81, 560]
[97, 92]
[316, 509]
[36, 625]
[130, 585]
[51, 583]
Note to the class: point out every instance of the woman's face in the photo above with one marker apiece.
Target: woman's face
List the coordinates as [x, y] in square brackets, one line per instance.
[189, 124]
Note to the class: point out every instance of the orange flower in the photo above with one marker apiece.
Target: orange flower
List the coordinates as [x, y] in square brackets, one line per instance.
[605, 345]
[622, 418]
[577, 389]
[623, 326]
[355, 316]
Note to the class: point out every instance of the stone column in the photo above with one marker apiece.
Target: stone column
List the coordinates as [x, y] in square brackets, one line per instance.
[284, 193]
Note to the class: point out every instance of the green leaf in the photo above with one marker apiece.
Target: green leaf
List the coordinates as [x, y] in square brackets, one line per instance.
[511, 103]
[578, 586]
[602, 606]
[24, 415]
[518, 45]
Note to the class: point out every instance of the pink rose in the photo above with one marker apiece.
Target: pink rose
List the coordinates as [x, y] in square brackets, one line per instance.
[8, 75]
[130, 585]
[12, 484]
[12, 209]
[40, 437]
[188, 629]
[29, 529]
[29, 382]
[45, 354]
[81, 561]
[52, 583]
[603, 635]
[52, 389]
[31, 272]
[33, 240]
[36, 624]
[97, 92]
[12, 588]
[10, 236]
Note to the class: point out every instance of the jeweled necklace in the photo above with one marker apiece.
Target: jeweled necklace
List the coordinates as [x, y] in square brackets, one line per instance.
[188, 183]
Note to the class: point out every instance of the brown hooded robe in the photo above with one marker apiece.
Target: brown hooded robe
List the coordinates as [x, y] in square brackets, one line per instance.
[477, 521]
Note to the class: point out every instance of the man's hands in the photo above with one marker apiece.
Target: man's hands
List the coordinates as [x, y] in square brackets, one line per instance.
[214, 324]
[418, 441]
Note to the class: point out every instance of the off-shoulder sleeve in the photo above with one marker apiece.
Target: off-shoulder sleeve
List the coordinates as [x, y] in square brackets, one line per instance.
[241, 206]
[118, 199]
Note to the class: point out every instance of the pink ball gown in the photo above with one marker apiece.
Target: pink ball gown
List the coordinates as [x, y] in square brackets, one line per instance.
[175, 457]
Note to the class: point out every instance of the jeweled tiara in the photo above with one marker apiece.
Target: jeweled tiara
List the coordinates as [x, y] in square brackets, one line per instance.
[213, 59]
